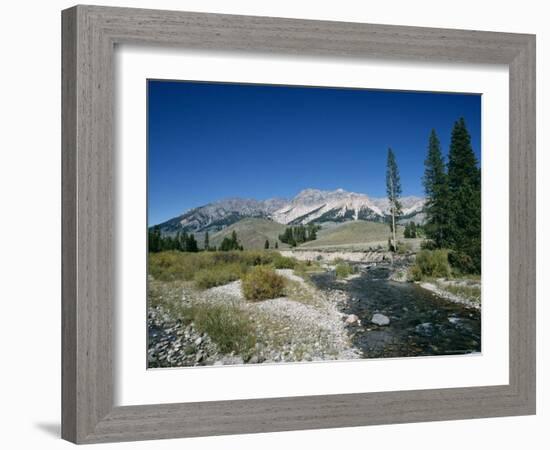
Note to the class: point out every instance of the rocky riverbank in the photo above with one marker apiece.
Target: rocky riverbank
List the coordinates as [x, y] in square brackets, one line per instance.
[331, 256]
[373, 312]
[441, 289]
[304, 325]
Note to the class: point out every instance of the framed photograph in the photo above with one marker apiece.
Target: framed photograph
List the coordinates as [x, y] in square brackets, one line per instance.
[278, 224]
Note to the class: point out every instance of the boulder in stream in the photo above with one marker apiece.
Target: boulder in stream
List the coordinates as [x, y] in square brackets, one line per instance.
[380, 319]
[352, 319]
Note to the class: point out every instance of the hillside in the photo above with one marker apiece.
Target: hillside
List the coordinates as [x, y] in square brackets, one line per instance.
[358, 234]
[252, 233]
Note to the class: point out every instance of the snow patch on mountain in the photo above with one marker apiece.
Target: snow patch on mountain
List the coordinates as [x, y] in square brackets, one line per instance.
[312, 204]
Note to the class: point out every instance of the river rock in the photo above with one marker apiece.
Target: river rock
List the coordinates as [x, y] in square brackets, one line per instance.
[380, 319]
[199, 357]
[352, 319]
[231, 360]
[424, 328]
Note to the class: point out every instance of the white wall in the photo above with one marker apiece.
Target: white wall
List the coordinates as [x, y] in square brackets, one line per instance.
[30, 225]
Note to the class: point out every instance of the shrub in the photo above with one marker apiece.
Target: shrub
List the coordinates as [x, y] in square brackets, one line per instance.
[258, 258]
[415, 273]
[430, 263]
[428, 245]
[283, 262]
[210, 269]
[343, 270]
[227, 325]
[403, 248]
[172, 265]
[262, 283]
[463, 262]
[228, 257]
[218, 275]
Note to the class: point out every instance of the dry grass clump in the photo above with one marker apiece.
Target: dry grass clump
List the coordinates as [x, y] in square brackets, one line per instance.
[343, 270]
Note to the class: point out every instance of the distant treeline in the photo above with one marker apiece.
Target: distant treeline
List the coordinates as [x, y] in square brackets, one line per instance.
[185, 242]
[299, 234]
[181, 241]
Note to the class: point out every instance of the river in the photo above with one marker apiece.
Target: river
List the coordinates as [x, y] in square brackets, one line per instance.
[421, 323]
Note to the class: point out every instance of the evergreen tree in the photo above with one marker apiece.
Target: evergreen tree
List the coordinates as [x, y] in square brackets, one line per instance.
[192, 244]
[312, 232]
[412, 230]
[177, 241]
[464, 181]
[288, 237]
[393, 189]
[266, 245]
[206, 241]
[225, 246]
[407, 231]
[154, 239]
[230, 243]
[184, 239]
[437, 194]
[299, 234]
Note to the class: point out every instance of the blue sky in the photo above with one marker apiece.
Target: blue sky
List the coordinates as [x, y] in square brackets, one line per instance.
[208, 141]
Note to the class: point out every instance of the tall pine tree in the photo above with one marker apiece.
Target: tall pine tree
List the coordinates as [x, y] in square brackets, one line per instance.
[437, 194]
[464, 181]
[206, 241]
[393, 189]
[154, 239]
[192, 245]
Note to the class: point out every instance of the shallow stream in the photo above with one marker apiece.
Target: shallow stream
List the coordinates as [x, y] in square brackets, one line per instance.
[421, 323]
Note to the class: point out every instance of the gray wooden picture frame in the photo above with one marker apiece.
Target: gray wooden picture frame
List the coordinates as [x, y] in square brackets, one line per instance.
[89, 35]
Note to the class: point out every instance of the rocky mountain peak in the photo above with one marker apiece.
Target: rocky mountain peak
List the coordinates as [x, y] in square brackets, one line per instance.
[308, 206]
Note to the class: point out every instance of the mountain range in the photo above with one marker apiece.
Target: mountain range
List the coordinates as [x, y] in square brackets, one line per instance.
[309, 206]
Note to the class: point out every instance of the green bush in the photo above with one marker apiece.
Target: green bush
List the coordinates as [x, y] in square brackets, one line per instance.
[218, 275]
[183, 266]
[227, 325]
[173, 265]
[430, 263]
[428, 245]
[343, 270]
[261, 283]
[415, 273]
[283, 262]
[462, 262]
[404, 247]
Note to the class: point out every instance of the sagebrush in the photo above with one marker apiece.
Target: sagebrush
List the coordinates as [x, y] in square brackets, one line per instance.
[262, 283]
